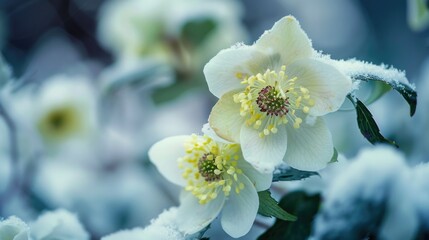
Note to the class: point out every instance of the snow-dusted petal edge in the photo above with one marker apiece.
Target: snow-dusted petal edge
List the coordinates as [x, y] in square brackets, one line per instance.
[240, 210]
[310, 147]
[165, 153]
[264, 154]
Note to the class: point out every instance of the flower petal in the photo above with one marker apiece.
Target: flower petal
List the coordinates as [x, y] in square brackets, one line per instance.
[328, 86]
[195, 216]
[287, 38]
[225, 118]
[240, 210]
[221, 71]
[310, 147]
[261, 181]
[165, 153]
[263, 153]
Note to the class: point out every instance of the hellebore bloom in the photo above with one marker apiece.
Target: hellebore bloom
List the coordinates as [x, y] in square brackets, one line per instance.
[215, 178]
[272, 94]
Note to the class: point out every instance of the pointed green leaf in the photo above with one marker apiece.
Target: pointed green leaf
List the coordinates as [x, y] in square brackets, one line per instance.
[334, 156]
[291, 174]
[409, 94]
[303, 206]
[367, 125]
[269, 207]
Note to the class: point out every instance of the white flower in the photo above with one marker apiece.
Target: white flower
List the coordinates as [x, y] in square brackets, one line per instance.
[14, 228]
[215, 178]
[162, 228]
[271, 96]
[137, 28]
[58, 225]
[65, 108]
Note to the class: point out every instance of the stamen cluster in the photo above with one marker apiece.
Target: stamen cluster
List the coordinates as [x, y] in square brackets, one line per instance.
[272, 99]
[211, 168]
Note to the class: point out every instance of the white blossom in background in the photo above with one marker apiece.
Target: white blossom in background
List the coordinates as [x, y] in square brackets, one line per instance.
[65, 109]
[215, 179]
[164, 227]
[272, 95]
[138, 28]
[417, 14]
[382, 204]
[58, 225]
[14, 228]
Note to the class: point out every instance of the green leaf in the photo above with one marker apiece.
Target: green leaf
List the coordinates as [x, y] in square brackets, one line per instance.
[291, 174]
[409, 94]
[334, 158]
[196, 31]
[302, 205]
[367, 125]
[269, 207]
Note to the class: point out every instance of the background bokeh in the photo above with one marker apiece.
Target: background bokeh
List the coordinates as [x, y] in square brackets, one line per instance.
[106, 178]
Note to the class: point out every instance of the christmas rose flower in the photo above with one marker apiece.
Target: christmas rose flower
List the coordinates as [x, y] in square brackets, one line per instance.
[272, 95]
[215, 179]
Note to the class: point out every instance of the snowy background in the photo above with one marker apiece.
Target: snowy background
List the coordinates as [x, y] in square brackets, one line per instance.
[128, 95]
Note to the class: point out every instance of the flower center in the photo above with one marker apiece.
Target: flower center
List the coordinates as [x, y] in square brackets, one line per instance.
[271, 102]
[272, 99]
[210, 168]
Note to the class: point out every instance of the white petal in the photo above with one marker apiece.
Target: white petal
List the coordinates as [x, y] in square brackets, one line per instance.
[263, 153]
[288, 39]
[221, 71]
[240, 210]
[207, 130]
[310, 147]
[261, 181]
[225, 118]
[195, 216]
[165, 153]
[327, 86]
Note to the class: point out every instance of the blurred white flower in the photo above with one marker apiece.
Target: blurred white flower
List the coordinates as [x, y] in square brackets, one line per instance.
[181, 32]
[65, 109]
[162, 228]
[271, 96]
[14, 228]
[382, 205]
[58, 225]
[215, 178]
[418, 14]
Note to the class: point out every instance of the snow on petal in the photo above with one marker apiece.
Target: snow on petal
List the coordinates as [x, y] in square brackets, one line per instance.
[240, 210]
[165, 154]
